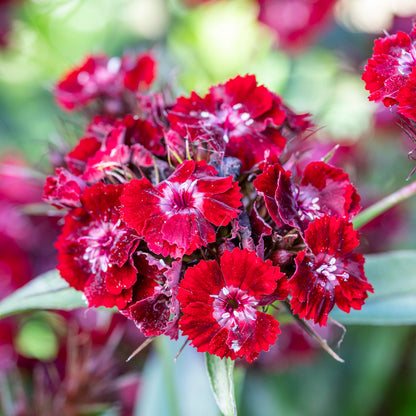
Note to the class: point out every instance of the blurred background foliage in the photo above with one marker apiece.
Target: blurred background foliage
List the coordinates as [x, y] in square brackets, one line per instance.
[198, 47]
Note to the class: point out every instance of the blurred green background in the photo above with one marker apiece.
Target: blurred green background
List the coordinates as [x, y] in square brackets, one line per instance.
[196, 48]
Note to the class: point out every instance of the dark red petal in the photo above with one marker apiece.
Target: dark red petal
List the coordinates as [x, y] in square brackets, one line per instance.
[244, 90]
[139, 203]
[78, 158]
[141, 75]
[265, 333]
[151, 315]
[97, 294]
[196, 285]
[331, 235]
[243, 269]
[198, 324]
[266, 185]
[118, 279]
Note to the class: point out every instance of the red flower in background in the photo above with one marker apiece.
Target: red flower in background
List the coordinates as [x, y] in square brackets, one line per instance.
[297, 23]
[179, 215]
[95, 248]
[95, 76]
[239, 118]
[388, 69]
[219, 304]
[98, 76]
[330, 273]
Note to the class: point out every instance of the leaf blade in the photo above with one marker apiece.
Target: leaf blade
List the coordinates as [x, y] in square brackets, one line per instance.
[47, 291]
[393, 276]
[220, 372]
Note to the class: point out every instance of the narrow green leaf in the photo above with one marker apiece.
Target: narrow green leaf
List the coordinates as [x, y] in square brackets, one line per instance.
[393, 276]
[220, 374]
[47, 291]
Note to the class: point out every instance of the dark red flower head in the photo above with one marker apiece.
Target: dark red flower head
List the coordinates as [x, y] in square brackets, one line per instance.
[240, 118]
[95, 248]
[328, 273]
[323, 189]
[179, 215]
[389, 68]
[220, 304]
[95, 76]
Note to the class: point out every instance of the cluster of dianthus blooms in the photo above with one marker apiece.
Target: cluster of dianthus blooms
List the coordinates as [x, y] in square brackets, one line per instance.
[194, 214]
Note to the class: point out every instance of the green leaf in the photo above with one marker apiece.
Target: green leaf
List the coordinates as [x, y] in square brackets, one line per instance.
[220, 374]
[393, 276]
[47, 291]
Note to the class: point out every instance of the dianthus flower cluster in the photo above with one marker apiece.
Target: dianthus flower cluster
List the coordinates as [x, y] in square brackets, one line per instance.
[185, 214]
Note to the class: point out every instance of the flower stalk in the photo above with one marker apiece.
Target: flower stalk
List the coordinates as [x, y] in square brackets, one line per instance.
[383, 205]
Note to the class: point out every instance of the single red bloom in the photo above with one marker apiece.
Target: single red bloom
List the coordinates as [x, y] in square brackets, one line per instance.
[219, 304]
[323, 189]
[63, 190]
[99, 76]
[179, 215]
[95, 76]
[389, 67]
[238, 117]
[95, 248]
[328, 273]
[297, 23]
[154, 307]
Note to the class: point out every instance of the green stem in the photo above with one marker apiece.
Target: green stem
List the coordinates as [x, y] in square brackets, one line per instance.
[383, 205]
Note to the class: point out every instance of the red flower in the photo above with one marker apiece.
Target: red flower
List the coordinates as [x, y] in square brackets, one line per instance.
[297, 23]
[329, 272]
[107, 78]
[154, 307]
[388, 69]
[95, 76]
[179, 215]
[323, 189]
[219, 304]
[238, 117]
[95, 248]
